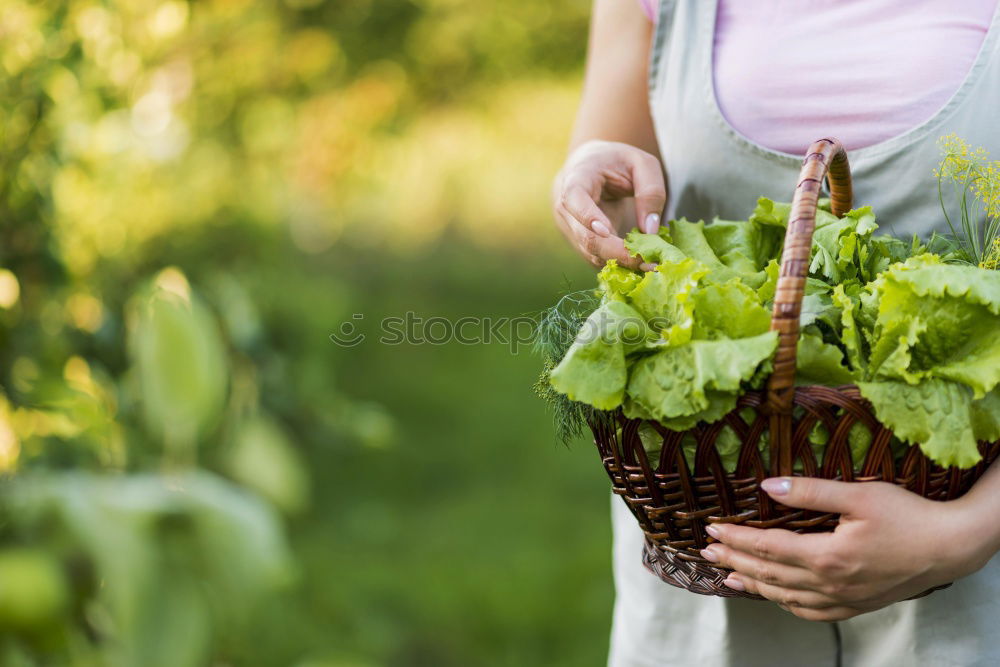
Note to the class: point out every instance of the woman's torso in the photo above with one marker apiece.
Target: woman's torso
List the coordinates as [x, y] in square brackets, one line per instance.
[905, 59]
[702, 150]
[713, 169]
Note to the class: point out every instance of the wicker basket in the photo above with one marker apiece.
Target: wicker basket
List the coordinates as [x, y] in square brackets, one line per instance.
[673, 503]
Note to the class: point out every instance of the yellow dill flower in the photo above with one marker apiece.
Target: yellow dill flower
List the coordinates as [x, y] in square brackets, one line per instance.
[972, 175]
[959, 160]
[956, 158]
[986, 187]
[992, 258]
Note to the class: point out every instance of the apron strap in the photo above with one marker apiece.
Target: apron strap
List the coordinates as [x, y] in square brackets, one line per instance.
[661, 41]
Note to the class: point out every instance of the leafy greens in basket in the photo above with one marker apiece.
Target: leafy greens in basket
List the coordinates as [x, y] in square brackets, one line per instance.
[914, 330]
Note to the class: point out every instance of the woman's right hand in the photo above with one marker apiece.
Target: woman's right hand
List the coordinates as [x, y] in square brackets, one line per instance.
[604, 189]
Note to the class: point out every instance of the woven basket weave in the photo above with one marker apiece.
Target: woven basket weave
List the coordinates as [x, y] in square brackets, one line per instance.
[673, 502]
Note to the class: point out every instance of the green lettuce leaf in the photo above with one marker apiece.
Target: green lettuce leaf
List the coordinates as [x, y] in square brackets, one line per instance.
[839, 245]
[674, 381]
[663, 297]
[766, 290]
[935, 414]
[689, 237]
[818, 307]
[729, 310]
[817, 362]
[744, 246]
[736, 244]
[859, 439]
[939, 321]
[654, 248]
[890, 356]
[594, 369]
[770, 213]
[617, 281]
[850, 333]
[720, 403]
[985, 414]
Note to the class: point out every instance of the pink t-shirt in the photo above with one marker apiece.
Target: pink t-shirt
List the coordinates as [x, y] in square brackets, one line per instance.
[861, 70]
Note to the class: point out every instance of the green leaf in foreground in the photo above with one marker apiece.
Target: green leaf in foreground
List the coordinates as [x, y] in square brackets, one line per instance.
[557, 329]
[689, 237]
[935, 414]
[617, 281]
[820, 363]
[678, 381]
[729, 310]
[663, 297]
[941, 321]
[850, 332]
[594, 369]
[654, 248]
[180, 363]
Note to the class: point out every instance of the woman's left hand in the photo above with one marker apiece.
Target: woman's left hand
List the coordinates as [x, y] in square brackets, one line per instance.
[890, 545]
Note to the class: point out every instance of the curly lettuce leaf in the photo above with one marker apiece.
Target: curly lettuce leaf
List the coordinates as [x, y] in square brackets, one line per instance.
[817, 362]
[663, 297]
[939, 321]
[720, 403]
[767, 289]
[818, 307]
[617, 281]
[890, 356]
[771, 213]
[594, 370]
[689, 237]
[850, 333]
[676, 381]
[731, 248]
[935, 414]
[745, 246]
[653, 248]
[985, 415]
[736, 244]
[840, 246]
[729, 310]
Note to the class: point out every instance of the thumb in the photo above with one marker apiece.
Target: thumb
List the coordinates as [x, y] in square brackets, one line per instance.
[822, 495]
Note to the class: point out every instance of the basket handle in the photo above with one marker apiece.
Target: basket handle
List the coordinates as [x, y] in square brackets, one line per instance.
[825, 158]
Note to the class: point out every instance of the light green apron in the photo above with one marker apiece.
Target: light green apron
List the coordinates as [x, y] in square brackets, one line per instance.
[713, 170]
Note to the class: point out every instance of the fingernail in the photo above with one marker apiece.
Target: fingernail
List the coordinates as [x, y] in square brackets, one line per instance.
[709, 554]
[712, 530]
[777, 486]
[735, 584]
[646, 266]
[600, 228]
[652, 223]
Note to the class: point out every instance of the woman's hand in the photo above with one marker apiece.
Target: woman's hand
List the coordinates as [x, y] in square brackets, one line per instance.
[605, 189]
[890, 545]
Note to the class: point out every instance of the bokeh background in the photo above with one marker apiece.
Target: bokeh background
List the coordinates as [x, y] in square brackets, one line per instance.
[193, 197]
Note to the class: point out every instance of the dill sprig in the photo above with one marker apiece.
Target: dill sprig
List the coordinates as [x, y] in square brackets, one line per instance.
[556, 330]
[974, 180]
[559, 324]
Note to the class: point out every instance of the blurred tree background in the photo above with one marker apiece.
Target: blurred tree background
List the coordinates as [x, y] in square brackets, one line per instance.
[193, 197]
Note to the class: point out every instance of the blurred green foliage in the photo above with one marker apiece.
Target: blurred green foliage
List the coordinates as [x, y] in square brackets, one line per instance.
[193, 196]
